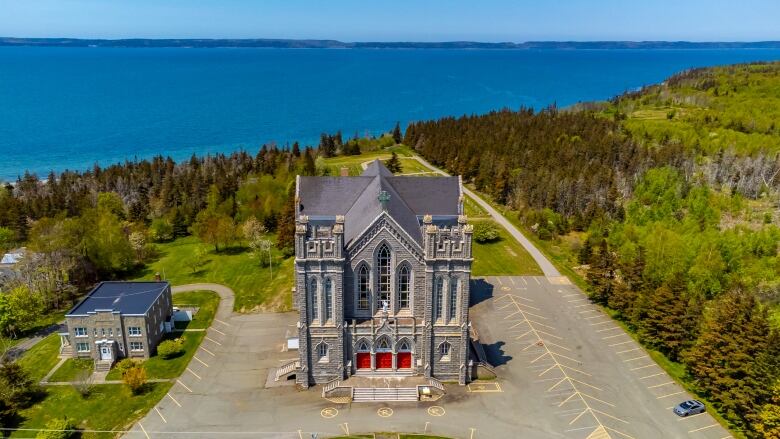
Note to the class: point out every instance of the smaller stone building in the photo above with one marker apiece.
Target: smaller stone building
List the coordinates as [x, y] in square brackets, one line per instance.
[118, 320]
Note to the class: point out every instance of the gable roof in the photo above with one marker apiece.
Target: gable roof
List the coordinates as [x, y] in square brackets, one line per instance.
[357, 198]
[129, 298]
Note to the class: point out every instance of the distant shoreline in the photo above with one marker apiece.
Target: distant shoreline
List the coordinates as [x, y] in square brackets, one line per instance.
[335, 44]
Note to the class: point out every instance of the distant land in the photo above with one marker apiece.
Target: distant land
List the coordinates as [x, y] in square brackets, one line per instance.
[334, 44]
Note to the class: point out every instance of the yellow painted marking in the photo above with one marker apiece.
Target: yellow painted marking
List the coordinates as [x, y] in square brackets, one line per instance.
[425, 430]
[183, 385]
[524, 281]
[618, 344]
[661, 385]
[670, 394]
[702, 428]
[218, 331]
[213, 341]
[635, 358]
[196, 375]
[593, 317]
[200, 361]
[570, 295]
[583, 305]
[608, 329]
[483, 388]
[385, 412]
[600, 323]
[694, 416]
[208, 351]
[345, 428]
[220, 321]
[144, 430]
[653, 375]
[300, 434]
[161, 416]
[499, 281]
[576, 300]
[173, 399]
[547, 333]
[537, 281]
[630, 350]
[471, 436]
[329, 412]
[643, 367]
[612, 336]
[512, 280]
[435, 411]
[505, 289]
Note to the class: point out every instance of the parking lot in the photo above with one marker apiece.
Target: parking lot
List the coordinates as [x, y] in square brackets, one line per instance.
[565, 371]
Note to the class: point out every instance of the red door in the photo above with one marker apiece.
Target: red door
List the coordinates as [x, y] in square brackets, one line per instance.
[404, 360]
[363, 360]
[384, 360]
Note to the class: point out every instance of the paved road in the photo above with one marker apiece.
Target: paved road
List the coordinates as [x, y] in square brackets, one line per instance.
[547, 267]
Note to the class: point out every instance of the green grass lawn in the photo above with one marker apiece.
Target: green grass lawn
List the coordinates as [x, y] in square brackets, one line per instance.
[42, 357]
[70, 369]
[235, 267]
[108, 407]
[504, 256]
[206, 301]
[159, 367]
[473, 210]
[353, 162]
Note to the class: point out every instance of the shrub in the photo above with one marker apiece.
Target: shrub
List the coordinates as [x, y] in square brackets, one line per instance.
[58, 428]
[161, 230]
[126, 364]
[485, 231]
[170, 348]
[135, 378]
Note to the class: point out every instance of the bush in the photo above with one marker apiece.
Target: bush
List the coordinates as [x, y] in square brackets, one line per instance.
[485, 231]
[135, 378]
[170, 348]
[126, 364]
[58, 428]
[161, 230]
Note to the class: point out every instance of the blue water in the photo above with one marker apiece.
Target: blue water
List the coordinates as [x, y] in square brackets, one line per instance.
[70, 108]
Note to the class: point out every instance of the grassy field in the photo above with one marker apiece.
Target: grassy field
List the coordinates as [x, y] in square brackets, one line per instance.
[42, 357]
[353, 162]
[504, 256]
[235, 267]
[108, 407]
[207, 303]
[70, 369]
[159, 367]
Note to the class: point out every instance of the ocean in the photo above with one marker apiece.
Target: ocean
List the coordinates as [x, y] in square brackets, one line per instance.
[69, 108]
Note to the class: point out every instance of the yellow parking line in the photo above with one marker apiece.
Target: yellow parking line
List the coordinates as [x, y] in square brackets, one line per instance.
[144, 430]
[587, 311]
[661, 385]
[208, 351]
[670, 394]
[213, 341]
[629, 350]
[174, 399]
[220, 321]
[702, 428]
[594, 317]
[196, 375]
[161, 416]
[635, 358]
[584, 304]
[643, 367]
[689, 417]
[613, 336]
[618, 344]
[600, 323]
[512, 280]
[537, 281]
[218, 331]
[185, 386]
[608, 329]
[499, 281]
[653, 375]
[200, 361]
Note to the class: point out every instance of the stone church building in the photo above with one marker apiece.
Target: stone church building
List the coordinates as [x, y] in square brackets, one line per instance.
[382, 270]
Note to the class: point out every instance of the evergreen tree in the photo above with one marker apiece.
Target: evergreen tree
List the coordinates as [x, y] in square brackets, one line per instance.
[585, 253]
[286, 225]
[296, 150]
[670, 321]
[393, 164]
[397, 133]
[601, 274]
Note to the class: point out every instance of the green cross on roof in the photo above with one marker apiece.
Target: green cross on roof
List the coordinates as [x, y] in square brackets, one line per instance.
[383, 198]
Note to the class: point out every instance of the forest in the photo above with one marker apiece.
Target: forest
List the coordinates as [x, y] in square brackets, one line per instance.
[669, 198]
[666, 200]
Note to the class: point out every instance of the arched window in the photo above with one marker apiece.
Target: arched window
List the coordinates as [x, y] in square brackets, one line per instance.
[439, 298]
[322, 352]
[383, 345]
[363, 347]
[383, 275]
[314, 299]
[363, 283]
[404, 347]
[444, 351]
[328, 299]
[453, 298]
[404, 280]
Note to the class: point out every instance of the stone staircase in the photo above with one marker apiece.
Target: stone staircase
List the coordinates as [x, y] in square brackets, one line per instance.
[384, 394]
[103, 366]
[66, 351]
[286, 369]
[380, 373]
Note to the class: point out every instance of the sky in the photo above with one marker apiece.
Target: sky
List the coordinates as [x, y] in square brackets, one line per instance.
[396, 20]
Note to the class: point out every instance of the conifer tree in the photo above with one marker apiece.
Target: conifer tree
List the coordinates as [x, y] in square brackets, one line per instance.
[397, 133]
[286, 227]
[601, 274]
[393, 164]
[670, 320]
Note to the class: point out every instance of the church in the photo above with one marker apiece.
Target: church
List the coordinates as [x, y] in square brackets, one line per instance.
[382, 271]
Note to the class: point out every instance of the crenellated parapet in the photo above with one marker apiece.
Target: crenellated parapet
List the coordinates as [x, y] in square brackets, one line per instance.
[319, 238]
[447, 241]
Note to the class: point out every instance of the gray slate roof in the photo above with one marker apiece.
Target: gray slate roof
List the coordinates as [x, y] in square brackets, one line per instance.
[123, 297]
[357, 198]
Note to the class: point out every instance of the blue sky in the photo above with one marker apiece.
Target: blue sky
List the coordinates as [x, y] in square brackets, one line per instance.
[397, 20]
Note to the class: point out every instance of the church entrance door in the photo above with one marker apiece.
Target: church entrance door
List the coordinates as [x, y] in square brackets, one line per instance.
[364, 360]
[384, 360]
[404, 360]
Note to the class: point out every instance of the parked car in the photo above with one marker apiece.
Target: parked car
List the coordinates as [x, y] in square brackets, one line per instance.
[691, 407]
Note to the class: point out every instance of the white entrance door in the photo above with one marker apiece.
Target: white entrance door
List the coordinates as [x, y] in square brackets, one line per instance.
[105, 352]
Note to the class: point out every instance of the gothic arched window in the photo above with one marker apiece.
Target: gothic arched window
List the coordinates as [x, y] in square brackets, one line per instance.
[328, 299]
[363, 287]
[453, 298]
[383, 275]
[383, 345]
[314, 300]
[444, 351]
[322, 352]
[404, 281]
[439, 298]
[363, 347]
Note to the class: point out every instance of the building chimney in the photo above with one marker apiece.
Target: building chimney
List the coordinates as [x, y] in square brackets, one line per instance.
[344, 171]
[157, 277]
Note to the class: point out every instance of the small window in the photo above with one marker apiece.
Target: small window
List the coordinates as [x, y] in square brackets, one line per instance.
[110, 332]
[136, 346]
[363, 282]
[82, 347]
[453, 299]
[102, 332]
[94, 331]
[363, 347]
[439, 299]
[404, 347]
[444, 351]
[134, 331]
[80, 332]
[322, 352]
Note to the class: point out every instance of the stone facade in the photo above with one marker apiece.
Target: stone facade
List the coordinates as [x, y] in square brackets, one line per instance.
[110, 334]
[386, 302]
